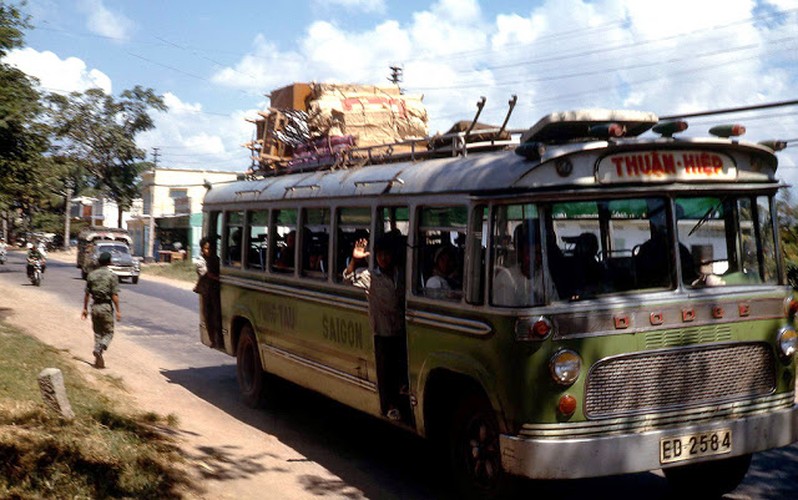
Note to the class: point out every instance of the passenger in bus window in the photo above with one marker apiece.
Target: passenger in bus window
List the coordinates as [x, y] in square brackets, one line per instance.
[440, 285]
[285, 257]
[234, 251]
[523, 284]
[385, 289]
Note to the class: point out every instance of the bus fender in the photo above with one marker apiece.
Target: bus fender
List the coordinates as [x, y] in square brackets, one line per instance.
[240, 314]
[463, 368]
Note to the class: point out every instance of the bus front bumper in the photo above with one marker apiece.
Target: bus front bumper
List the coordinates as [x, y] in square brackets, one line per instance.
[550, 458]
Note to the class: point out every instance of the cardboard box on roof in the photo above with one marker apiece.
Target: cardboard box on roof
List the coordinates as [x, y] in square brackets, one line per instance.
[292, 96]
[372, 114]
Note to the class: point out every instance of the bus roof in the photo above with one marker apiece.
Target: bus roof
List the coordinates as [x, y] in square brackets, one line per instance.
[556, 137]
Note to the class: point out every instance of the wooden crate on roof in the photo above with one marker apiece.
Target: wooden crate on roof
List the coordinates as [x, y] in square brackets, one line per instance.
[271, 148]
[292, 96]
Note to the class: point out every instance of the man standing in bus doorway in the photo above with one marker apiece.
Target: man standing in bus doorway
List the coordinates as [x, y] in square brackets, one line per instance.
[102, 286]
[208, 286]
[385, 288]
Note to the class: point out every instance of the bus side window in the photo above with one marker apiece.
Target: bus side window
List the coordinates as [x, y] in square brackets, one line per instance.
[353, 224]
[315, 243]
[257, 239]
[395, 220]
[214, 231]
[284, 245]
[441, 252]
[234, 230]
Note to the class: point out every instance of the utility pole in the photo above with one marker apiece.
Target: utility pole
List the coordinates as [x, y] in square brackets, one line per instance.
[396, 77]
[151, 237]
[67, 210]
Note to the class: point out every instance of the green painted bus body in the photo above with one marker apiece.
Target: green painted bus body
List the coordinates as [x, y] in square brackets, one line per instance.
[316, 332]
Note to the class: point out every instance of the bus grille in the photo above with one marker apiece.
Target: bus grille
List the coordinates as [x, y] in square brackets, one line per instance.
[678, 378]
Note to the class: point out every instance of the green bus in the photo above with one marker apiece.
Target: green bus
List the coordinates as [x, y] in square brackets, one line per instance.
[614, 301]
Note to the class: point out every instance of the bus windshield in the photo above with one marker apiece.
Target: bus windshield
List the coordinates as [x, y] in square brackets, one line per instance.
[605, 246]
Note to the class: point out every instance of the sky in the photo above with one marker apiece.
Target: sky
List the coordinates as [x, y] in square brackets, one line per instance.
[216, 62]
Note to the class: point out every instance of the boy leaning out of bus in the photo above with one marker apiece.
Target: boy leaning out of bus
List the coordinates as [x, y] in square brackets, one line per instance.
[385, 289]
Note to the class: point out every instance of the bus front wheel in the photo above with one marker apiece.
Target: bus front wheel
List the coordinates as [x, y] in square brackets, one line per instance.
[249, 370]
[474, 451]
[708, 479]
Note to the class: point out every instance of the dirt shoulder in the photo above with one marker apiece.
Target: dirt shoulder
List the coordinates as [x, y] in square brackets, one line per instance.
[228, 458]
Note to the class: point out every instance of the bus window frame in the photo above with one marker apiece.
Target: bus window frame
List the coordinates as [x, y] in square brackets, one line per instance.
[419, 286]
[475, 270]
[248, 239]
[336, 245]
[378, 224]
[302, 245]
[212, 230]
[227, 261]
[274, 213]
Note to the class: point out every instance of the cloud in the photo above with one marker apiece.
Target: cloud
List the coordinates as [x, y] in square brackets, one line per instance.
[58, 75]
[195, 138]
[367, 6]
[189, 137]
[103, 21]
[554, 55]
[557, 55]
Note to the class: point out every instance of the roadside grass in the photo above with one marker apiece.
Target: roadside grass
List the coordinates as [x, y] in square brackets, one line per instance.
[183, 270]
[106, 451]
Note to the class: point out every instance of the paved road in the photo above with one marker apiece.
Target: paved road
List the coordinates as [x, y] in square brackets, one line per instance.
[368, 455]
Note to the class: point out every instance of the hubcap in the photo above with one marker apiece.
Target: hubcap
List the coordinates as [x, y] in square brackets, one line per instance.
[482, 454]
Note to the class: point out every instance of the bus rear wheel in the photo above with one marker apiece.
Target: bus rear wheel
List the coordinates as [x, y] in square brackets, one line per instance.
[249, 370]
[475, 455]
[708, 479]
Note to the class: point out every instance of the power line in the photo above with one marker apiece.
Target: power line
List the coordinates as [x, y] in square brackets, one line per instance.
[731, 110]
[578, 32]
[606, 71]
[588, 32]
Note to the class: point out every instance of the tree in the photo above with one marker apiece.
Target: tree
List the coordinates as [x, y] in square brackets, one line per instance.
[98, 132]
[787, 214]
[23, 137]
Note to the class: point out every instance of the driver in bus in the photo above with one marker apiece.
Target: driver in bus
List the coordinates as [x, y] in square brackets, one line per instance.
[653, 258]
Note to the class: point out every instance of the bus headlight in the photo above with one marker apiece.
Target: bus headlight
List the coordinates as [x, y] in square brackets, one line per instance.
[565, 366]
[788, 341]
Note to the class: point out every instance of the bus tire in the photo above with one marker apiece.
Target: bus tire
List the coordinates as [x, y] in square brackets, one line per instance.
[475, 455]
[134, 280]
[249, 370]
[708, 479]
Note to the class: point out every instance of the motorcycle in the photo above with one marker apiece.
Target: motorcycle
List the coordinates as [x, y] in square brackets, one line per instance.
[35, 275]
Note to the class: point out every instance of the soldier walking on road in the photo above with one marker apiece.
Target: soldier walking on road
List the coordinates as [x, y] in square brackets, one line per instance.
[103, 287]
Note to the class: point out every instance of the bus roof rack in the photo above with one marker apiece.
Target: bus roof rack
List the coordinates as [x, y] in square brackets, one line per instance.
[576, 125]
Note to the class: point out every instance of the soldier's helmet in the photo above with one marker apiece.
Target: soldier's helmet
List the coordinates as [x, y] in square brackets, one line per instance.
[104, 259]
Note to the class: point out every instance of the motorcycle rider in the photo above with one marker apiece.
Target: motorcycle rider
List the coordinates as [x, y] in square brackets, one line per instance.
[3, 248]
[42, 249]
[33, 255]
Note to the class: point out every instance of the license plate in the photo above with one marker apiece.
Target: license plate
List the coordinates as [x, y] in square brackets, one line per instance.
[689, 446]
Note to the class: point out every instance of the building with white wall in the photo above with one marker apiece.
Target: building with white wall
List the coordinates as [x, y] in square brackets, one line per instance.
[173, 198]
[102, 211]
